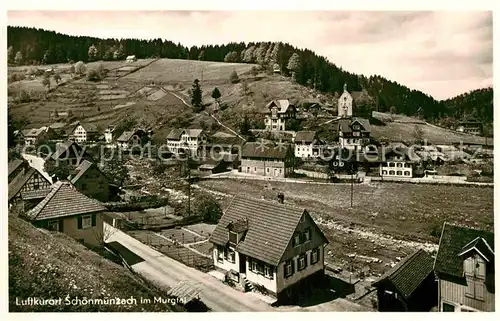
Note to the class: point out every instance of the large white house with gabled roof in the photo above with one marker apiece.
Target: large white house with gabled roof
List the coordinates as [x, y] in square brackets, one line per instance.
[271, 245]
[278, 112]
[180, 140]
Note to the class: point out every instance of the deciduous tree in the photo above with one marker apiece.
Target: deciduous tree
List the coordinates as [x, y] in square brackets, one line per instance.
[18, 59]
[233, 77]
[92, 53]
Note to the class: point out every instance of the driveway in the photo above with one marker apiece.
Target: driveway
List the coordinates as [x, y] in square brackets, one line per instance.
[162, 270]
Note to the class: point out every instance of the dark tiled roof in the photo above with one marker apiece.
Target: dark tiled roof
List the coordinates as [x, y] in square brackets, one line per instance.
[226, 141]
[35, 194]
[127, 255]
[282, 105]
[89, 128]
[175, 134]
[408, 274]
[16, 185]
[64, 200]
[345, 124]
[84, 166]
[452, 242]
[264, 150]
[270, 228]
[305, 137]
[14, 164]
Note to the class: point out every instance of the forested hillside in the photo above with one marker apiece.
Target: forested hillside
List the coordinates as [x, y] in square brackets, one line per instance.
[37, 46]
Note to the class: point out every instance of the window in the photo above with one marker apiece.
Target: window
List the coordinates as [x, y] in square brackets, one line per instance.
[399, 173]
[314, 256]
[36, 185]
[307, 235]
[220, 254]
[233, 238]
[53, 225]
[268, 272]
[288, 268]
[448, 307]
[231, 255]
[254, 266]
[391, 172]
[391, 165]
[267, 169]
[474, 289]
[384, 172]
[86, 221]
[302, 262]
[407, 165]
[296, 239]
[399, 165]
[407, 173]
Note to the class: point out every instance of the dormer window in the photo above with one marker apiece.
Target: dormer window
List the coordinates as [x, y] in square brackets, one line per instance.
[233, 237]
[237, 231]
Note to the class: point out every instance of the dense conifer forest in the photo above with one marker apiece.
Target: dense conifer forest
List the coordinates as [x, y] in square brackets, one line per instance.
[37, 46]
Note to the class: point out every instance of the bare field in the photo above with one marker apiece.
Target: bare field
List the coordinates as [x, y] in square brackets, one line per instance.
[388, 221]
[406, 209]
[177, 70]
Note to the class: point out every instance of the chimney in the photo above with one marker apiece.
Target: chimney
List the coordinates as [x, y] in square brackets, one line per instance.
[281, 197]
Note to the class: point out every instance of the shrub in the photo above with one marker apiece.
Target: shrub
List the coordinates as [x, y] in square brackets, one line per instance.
[23, 96]
[93, 75]
[80, 68]
[233, 78]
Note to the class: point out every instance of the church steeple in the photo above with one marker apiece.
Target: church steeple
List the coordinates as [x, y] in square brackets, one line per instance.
[345, 87]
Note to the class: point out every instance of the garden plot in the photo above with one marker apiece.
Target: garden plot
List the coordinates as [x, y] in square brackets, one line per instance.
[103, 86]
[112, 94]
[143, 91]
[130, 103]
[156, 95]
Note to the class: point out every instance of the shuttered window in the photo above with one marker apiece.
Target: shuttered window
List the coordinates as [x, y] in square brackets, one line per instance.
[469, 290]
[480, 268]
[479, 290]
[94, 220]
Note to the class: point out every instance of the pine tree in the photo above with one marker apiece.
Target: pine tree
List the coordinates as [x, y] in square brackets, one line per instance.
[196, 96]
[216, 94]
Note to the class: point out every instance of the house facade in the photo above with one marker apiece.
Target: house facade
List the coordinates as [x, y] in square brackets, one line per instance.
[33, 136]
[91, 181]
[471, 127]
[344, 105]
[278, 112]
[269, 245]
[396, 162]
[464, 268]
[267, 159]
[66, 210]
[83, 133]
[128, 139]
[28, 180]
[183, 140]
[307, 145]
[353, 133]
[16, 167]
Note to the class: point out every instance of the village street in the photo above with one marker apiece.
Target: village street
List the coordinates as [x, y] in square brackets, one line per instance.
[165, 271]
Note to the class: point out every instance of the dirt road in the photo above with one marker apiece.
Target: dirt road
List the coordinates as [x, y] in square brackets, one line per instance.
[165, 271]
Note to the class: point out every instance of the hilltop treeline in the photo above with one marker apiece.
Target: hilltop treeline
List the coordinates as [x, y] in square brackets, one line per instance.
[38, 46]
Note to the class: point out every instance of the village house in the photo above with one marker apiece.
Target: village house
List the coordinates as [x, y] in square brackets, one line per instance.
[353, 133]
[465, 270]
[128, 139]
[273, 246]
[70, 153]
[66, 210]
[91, 181]
[34, 135]
[397, 162]
[409, 286]
[307, 145]
[83, 132]
[278, 113]
[58, 129]
[344, 105]
[222, 144]
[267, 159]
[470, 126]
[131, 58]
[182, 140]
[27, 179]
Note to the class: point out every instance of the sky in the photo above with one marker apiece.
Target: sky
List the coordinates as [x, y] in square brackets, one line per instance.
[442, 53]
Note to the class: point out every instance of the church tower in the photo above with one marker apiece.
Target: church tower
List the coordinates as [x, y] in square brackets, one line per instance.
[345, 104]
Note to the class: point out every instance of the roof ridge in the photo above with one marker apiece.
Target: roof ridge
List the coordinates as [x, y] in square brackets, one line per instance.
[439, 246]
[270, 202]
